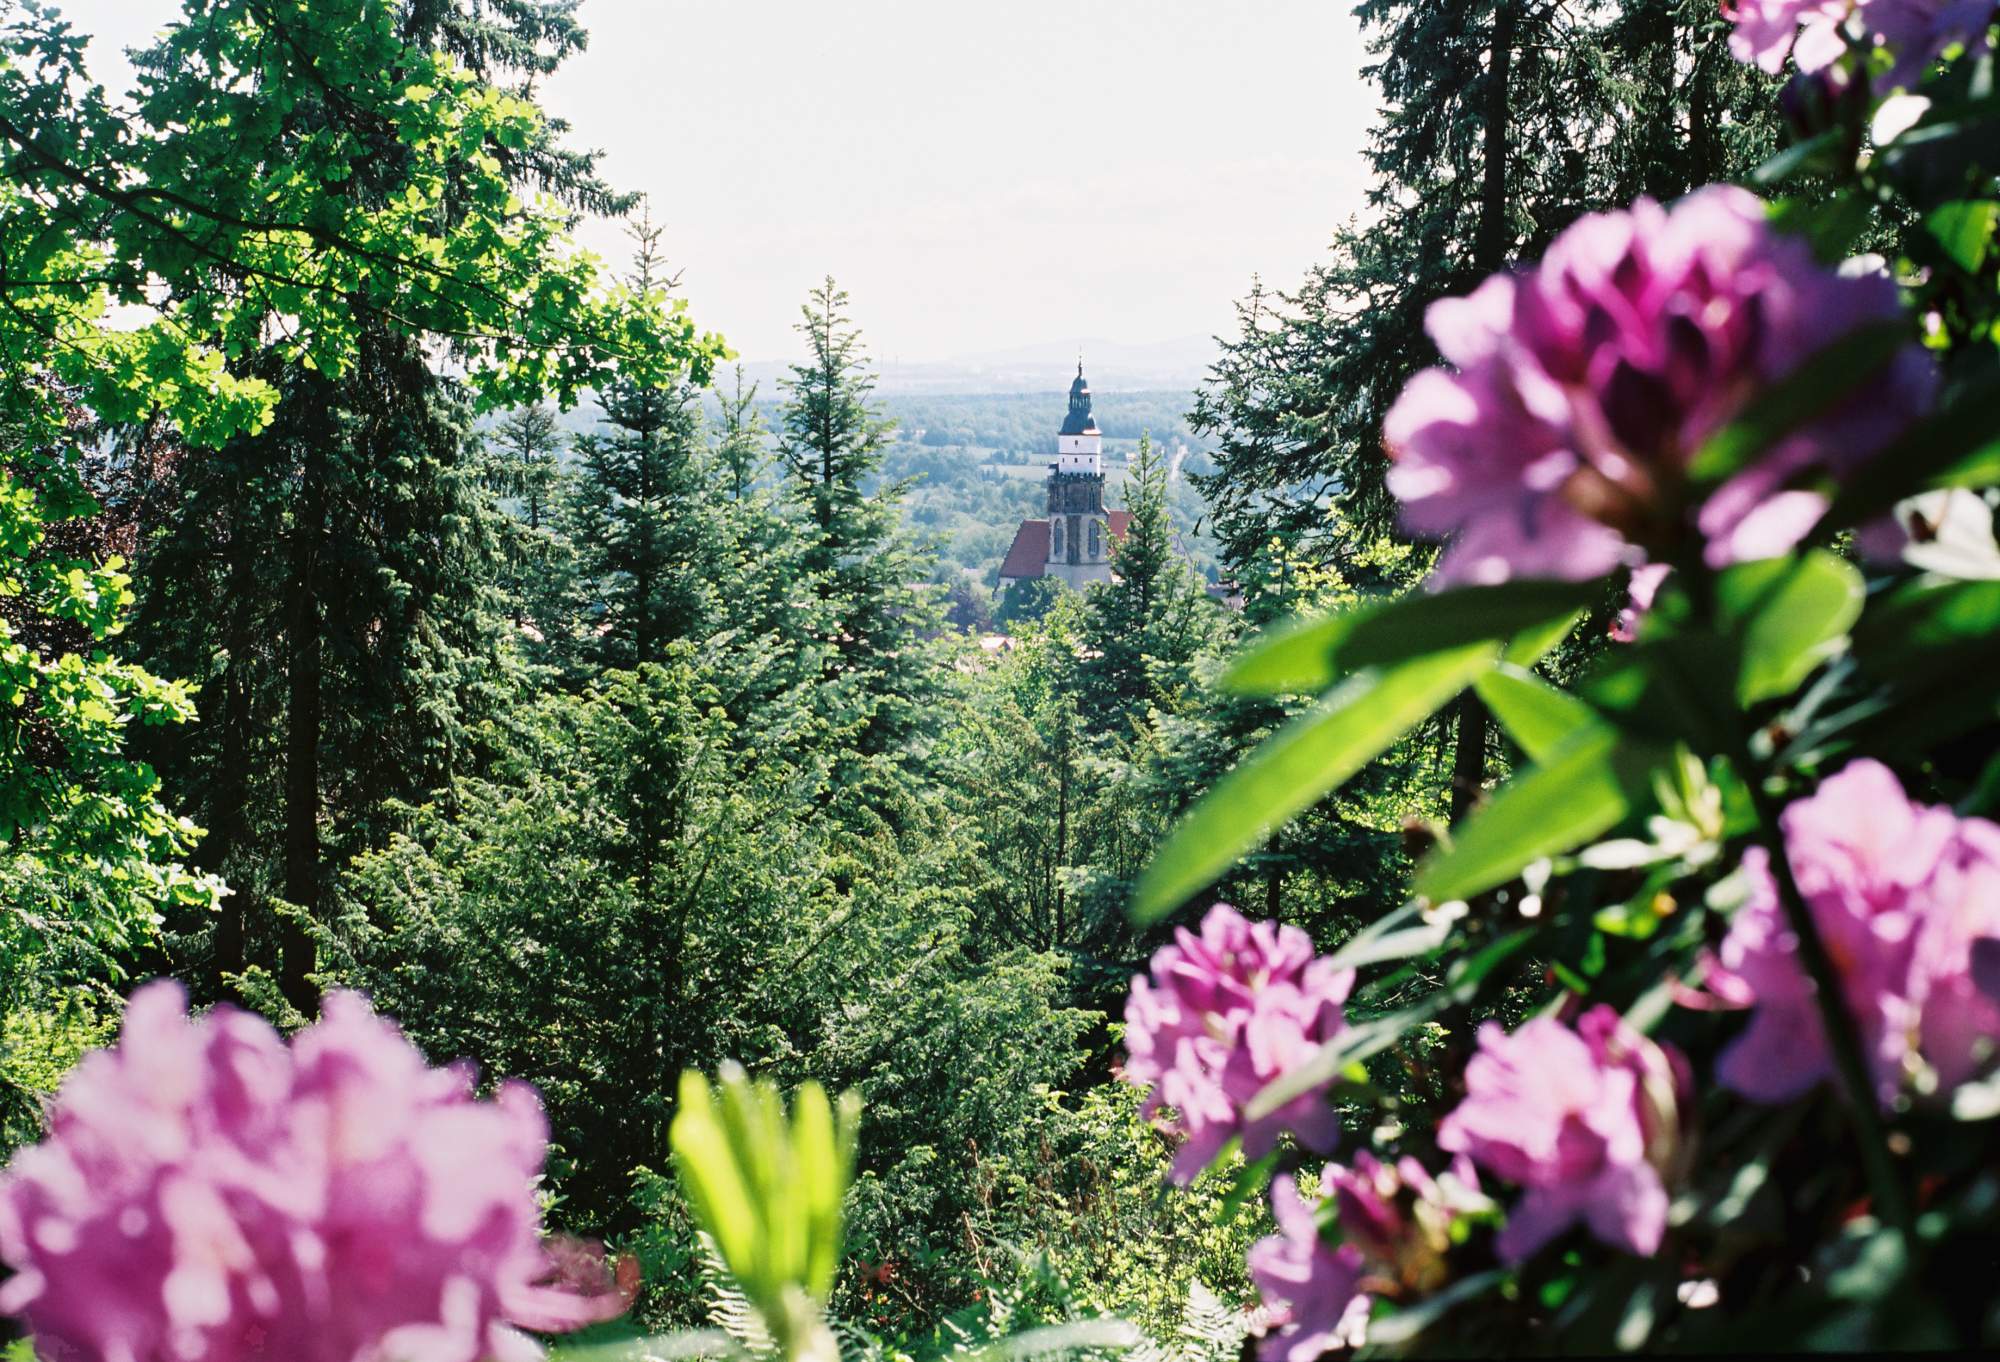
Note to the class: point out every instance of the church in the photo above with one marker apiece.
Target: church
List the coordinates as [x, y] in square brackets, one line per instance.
[1074, 544]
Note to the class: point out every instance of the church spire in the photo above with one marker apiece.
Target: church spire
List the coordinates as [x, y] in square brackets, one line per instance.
[1079, 420]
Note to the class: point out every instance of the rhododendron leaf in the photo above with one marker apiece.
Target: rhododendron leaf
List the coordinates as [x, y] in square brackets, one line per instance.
[674, 1347]
[1366, 1039]
[1387, 938]
[1358, 1042]
[1831, 228]
[1594, 780]
[1537, 641]
[1406, 1324]
[1312, 755]
[1957, 445]
[1534, 713]
[1466, 975]
[1798, 158]
[1925, 639]
[1309, 656]
[1829, 377]
[1963, 229]
[1793, 614]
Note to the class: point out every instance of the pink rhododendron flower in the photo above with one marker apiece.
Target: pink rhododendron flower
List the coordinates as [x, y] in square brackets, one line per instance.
[1589, 1121]
[207, 1193]
[1640, 593]
[1905, 896]
[1225, 1013]
[1400, 1218]
[1558, 444]
[1768, 31]
[1310, 1287]
[1917, 32]
[1914, 32]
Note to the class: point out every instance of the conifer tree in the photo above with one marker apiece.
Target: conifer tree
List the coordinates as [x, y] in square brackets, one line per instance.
[354, 613]
[742, 452]
[539, 581]
[1146, 625]
[1502, 123]
[645, 527]
[879, 608]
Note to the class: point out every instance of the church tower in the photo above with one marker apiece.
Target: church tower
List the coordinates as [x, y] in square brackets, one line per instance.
[1079, 526]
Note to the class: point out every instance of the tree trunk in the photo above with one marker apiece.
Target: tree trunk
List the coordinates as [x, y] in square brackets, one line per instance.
[228, 825]
[300, 952]
[1468, 774]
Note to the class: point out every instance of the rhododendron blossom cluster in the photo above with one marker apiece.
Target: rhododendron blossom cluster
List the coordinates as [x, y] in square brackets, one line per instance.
[1914, 32]
[1401, 1218]
[208, 1193]
[1589, 1121]
[1311, 1288]
[1224, 1013]
[1558, 445]
[1906, 898]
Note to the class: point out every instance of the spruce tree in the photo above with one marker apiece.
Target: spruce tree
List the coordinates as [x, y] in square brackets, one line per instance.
[880, 673]
[645, 527]
[742, 451]
[539, 582]
[1146, 625]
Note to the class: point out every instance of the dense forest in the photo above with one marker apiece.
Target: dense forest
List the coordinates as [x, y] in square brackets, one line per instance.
[395, 604]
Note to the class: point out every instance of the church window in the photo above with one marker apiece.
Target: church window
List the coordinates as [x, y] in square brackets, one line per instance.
[1096, 541]
[1056, 541]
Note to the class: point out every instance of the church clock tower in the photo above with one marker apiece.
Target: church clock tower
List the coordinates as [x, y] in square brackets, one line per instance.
[1079, 527]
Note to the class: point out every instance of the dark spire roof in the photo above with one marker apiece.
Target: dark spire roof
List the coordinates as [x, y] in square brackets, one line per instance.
[1079, 421]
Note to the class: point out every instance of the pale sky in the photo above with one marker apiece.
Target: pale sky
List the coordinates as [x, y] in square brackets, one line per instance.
[978, 177]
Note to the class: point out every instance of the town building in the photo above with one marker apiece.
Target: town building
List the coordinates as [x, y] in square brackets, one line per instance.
[1074, 543]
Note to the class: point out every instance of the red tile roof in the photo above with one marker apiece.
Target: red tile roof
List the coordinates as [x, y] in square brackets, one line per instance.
[1028, 555]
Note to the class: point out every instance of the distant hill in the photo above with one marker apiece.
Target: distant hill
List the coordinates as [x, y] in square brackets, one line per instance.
[1112, 366]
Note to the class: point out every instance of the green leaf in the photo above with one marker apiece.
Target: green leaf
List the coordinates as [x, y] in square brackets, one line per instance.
[1793, 614]
[1797, 158]
[1352, 1045]
[1829, 377]
[661, 1348]
[1964, 229]
[1534, 643]
[1366, 1039]
[1387, 938]
[1534, 713]
[1406, 1324]
[1956, 446]
[1309, 656]
[1312, 755]
[1927, 632]
[1586, 787]
[1831, 228]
